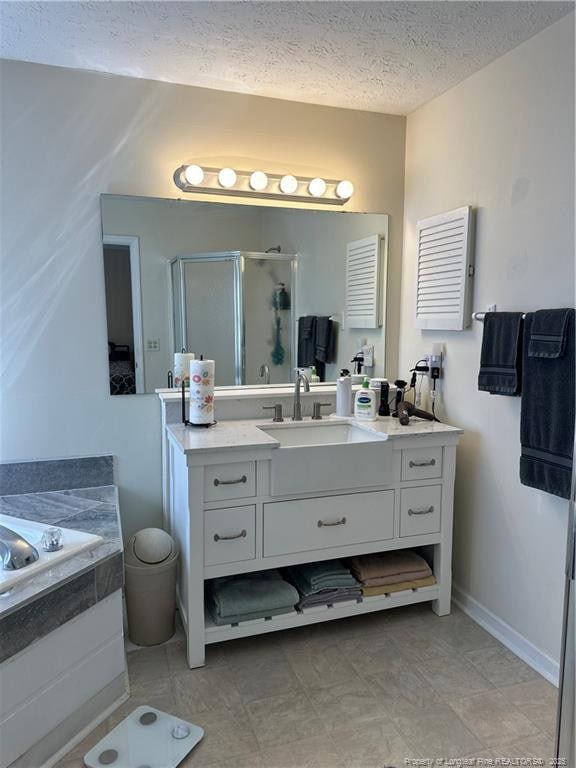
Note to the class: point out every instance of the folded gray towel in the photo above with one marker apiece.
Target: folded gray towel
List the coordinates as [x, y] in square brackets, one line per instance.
[309, 578]
[250, 593]
[548, 408]
[501, 354]
[330, 596]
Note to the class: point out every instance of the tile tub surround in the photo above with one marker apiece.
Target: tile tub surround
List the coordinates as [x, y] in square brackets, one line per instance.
[38, 606]
[275, 702]
[54, 475]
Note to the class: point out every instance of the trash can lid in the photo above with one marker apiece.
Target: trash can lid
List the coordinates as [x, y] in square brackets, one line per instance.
[151, 546]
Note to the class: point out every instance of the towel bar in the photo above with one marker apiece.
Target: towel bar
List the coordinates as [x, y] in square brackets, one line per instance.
[481, 315]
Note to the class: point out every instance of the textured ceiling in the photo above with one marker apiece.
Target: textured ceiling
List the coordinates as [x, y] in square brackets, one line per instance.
[379, 56]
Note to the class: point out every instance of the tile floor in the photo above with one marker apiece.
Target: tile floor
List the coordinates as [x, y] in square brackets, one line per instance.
[365, 692]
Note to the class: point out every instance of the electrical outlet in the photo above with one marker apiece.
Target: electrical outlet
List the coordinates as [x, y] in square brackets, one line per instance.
[368, 352]
[434, 360]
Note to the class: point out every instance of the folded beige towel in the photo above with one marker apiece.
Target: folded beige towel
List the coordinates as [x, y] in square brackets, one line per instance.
[411, 576]
[384, 564]
[373, 591]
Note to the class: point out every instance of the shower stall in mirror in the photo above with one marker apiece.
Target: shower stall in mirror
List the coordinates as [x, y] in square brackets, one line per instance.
[237, 308]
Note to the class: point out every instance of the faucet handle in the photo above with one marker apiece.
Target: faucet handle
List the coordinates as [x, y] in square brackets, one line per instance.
[277, 411]
[316, 413]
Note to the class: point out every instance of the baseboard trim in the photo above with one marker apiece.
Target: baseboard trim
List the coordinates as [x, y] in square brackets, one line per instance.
[507, 635]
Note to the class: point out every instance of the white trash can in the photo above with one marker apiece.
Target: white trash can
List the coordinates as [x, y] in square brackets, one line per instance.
[150, 562]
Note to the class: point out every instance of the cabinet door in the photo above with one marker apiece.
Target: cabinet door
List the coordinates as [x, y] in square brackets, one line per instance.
[420, 510]
[229, 535]
[421, 463]
[334, 521]
[230, 481]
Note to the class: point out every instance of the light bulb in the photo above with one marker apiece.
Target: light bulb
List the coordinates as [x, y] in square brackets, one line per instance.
[194, 175]
[317, 187]
[345, 189]
[288, 184]
[258, 181]
[227, 178]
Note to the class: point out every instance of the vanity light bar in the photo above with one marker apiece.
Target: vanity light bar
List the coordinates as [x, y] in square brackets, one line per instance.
[228, 181]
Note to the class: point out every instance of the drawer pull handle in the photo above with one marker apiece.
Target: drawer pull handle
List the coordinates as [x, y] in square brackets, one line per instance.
[427, 463]
[322, 524]
[427, 511]
[242, 479]
[241, 535]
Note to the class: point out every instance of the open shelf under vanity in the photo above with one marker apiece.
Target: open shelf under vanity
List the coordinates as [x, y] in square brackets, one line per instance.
[318, 614]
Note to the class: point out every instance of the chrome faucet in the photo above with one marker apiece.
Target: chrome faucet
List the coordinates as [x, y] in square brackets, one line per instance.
[301, 378]
[265, 373]
[15, 551]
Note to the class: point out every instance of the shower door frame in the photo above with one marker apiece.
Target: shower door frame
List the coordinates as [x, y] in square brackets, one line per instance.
[238, 259]
[216, 256]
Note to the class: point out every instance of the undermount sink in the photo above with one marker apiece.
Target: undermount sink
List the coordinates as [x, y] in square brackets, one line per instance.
[327, 456]
[319, 433]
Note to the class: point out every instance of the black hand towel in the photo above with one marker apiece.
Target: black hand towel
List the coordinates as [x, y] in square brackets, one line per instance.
[501, 355]
[324, 345]
[307, 341]
[548, 408]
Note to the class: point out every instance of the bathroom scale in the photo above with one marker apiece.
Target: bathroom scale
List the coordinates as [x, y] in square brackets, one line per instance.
[147, 738]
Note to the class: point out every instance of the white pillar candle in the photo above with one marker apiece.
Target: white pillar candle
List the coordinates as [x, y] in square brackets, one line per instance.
[182, 368]
[201, 409]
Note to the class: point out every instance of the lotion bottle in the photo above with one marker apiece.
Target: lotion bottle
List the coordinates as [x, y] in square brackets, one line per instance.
[365, 402]
[344, 393]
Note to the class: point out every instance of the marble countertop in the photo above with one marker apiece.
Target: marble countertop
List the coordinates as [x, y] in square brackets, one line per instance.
[233, 435]
[94, 510]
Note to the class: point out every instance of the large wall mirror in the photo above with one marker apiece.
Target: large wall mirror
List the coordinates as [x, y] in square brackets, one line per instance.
[258, 289]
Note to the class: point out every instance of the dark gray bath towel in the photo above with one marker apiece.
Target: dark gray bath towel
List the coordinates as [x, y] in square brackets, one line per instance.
[315, 343]
[548, 408]
[501, 355]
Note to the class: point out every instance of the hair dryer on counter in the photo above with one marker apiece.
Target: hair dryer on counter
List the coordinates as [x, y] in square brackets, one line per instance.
[404, 409]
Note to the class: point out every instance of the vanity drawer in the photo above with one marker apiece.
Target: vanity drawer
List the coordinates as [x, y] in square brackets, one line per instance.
[420, 510]
[229, 535]
[335, 521]
[230, 481]
[421, 463]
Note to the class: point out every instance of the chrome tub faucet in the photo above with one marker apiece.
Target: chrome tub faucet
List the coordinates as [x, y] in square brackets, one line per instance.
[15, 551]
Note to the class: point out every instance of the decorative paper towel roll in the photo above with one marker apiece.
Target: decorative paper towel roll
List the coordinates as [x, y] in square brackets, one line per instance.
[201, 392]
[182, 368]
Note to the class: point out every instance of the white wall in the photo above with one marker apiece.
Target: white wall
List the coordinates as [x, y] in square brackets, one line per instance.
[67, 137]
[502, 141]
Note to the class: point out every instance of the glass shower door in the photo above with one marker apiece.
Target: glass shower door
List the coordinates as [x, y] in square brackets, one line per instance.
[268, 307]
[210, 302]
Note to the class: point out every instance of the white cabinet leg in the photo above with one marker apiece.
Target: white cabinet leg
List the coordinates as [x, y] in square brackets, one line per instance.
[195, 649]
[195, 585]
[443, 573]
[443, 550]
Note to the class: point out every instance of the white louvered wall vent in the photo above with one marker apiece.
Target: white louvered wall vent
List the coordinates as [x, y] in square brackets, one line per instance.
[445, 266]
[363, 289]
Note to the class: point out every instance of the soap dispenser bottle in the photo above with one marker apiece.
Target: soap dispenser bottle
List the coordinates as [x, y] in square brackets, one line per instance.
[365, 402]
